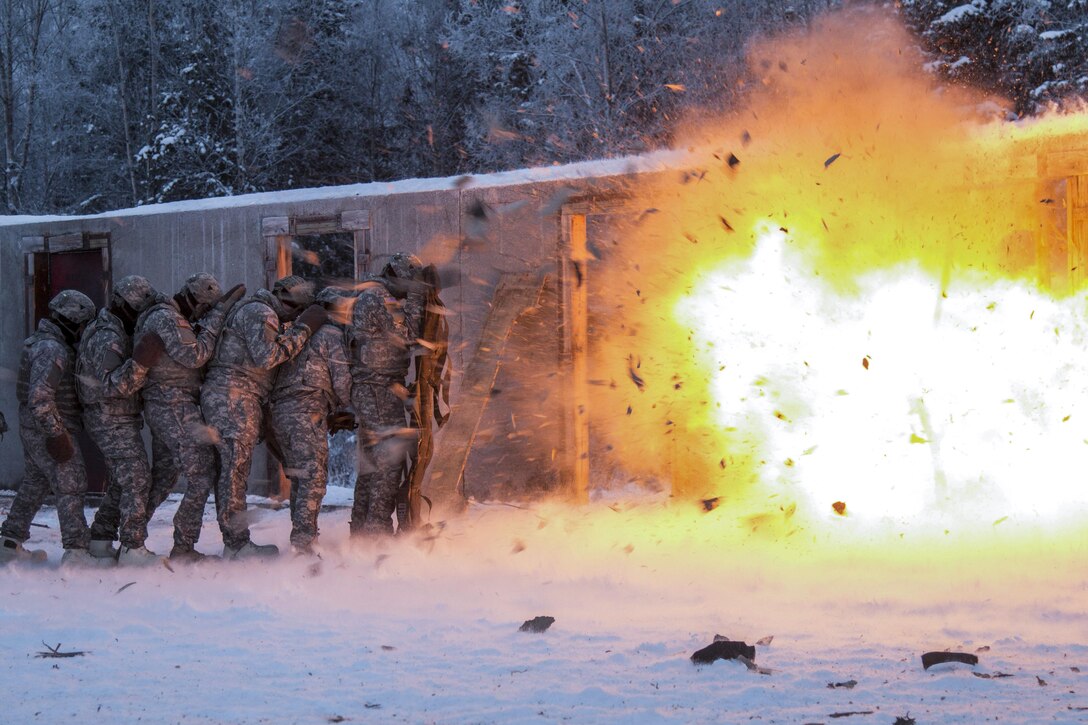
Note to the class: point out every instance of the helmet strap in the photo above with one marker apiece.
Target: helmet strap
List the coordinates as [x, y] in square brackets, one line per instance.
[69, 329]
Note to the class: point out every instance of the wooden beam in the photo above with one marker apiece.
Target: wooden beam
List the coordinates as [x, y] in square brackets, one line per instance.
[576, 301]
[1077, 225]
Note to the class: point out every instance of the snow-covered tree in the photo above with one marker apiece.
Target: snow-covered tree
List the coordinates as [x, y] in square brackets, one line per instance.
[1031, 51]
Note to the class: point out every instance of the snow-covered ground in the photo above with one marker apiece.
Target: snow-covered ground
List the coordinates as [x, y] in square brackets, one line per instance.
[425, 629]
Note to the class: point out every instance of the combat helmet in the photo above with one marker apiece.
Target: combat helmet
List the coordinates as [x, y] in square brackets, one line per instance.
[402, 266]
[203, 288]
[294, 292]
[136, 292]
[338, 303]
[73, 306]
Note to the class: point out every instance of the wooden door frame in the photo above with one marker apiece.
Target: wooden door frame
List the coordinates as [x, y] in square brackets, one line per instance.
[60, 243]
[279, 231]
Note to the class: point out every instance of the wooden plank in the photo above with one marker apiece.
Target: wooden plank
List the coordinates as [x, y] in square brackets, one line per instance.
[355, 220]
[1077, 245]
[578, 329]
[514, 294]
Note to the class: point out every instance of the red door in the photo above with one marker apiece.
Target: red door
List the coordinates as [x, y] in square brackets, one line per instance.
[83, 270]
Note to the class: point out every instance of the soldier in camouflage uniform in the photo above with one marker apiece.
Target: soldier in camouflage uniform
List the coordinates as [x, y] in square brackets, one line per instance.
[109, 375]
[172, 393]
[385, 324]
[307, 404]
[237, 389]
[49, 418]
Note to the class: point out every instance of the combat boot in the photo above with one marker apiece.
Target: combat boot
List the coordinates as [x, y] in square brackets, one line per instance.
[309, 550]
[83, 558]
[137, 556]
[102, 549]
[249, 550]
[189, 556]
[12, 550]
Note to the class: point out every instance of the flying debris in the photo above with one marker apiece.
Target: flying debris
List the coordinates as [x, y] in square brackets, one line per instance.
[638, 381]
[839, 507]
[476, 222]
[733, 161]
[725, 224]
[462, 181]
[557, 200]
[709, 504]
[675, 87]
[831, 159]
[478, 210]
[745, 138]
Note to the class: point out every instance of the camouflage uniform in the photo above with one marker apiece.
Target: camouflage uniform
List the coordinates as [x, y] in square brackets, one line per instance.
[109, 381]
[49, 408]
[383, 330]
[309, 388]
[172, 405]
[237, 389]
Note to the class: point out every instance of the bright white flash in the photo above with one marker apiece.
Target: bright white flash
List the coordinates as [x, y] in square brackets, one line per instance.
[904, 399]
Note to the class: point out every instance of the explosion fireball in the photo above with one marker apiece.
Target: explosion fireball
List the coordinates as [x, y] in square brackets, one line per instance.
[856, 306]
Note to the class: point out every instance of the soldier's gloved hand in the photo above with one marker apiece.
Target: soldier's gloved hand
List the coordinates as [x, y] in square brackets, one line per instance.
[148, 349]
[232, 295]
[312, 317]
[60, 448]
[341, 420]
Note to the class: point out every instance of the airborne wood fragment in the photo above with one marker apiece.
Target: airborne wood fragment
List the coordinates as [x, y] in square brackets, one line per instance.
[635, 378]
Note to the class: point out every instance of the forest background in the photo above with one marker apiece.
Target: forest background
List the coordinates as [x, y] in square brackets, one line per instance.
[117, 103]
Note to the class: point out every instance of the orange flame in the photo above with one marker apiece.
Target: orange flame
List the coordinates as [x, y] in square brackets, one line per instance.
[826, 315]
